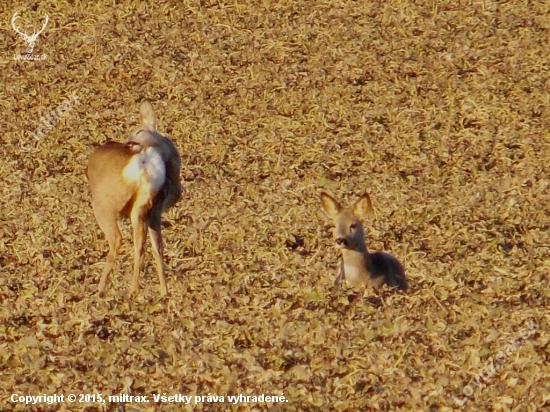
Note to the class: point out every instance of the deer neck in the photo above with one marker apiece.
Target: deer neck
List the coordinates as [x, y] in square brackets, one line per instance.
[355, 265]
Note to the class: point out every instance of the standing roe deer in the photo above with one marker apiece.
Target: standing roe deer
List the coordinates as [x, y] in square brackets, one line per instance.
[137, 179]
[359, 267]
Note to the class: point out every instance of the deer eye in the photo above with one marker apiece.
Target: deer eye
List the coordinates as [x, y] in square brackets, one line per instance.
[353, 226]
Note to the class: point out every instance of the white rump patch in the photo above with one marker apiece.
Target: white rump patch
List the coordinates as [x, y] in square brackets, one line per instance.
[147, 165]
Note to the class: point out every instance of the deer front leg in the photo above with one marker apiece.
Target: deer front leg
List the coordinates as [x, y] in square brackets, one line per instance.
[341, 275]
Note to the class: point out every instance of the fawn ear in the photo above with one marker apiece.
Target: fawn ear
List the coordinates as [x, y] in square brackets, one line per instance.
[331, 206]
[363, 206]
[148, 117]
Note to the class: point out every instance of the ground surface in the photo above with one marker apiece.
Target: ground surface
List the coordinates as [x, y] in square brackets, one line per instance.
[440, 109]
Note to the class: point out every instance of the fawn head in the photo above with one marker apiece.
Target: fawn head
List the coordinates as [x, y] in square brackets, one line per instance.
[348, 226]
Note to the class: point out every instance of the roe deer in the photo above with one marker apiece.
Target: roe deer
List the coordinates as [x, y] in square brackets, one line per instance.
[137, 179]
[359, 267]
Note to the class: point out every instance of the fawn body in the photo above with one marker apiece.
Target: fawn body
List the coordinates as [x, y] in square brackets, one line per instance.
[360, 267]
[138, 179]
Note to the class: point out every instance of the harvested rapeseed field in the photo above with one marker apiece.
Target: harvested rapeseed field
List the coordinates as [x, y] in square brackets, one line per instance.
[439, 109]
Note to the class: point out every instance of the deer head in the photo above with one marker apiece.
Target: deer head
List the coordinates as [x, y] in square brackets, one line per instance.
[28, 39]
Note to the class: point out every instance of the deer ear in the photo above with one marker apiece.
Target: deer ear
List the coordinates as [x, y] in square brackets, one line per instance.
[148, 117]
[330, 206]
[363, 206]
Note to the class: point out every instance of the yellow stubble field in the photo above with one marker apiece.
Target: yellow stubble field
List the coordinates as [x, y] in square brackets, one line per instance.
[439, 109]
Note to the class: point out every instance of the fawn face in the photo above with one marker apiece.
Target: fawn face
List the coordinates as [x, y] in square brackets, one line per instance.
[348, 228]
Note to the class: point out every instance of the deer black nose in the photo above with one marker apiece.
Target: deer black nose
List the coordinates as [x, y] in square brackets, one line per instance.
[341, 241]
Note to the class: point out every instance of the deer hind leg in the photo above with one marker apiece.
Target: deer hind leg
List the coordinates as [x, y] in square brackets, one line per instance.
[138, 217]
[156, 240]
[107, 220]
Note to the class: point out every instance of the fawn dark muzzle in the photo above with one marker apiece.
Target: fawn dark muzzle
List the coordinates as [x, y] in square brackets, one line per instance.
[341, 241]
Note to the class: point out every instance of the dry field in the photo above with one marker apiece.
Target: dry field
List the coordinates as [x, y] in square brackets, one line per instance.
[440, 109]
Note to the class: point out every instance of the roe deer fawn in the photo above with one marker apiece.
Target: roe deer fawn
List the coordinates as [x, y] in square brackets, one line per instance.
[137, 179]
[358, 266]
